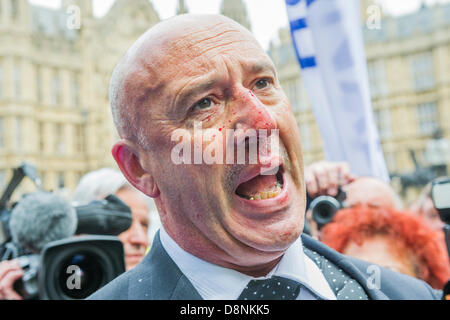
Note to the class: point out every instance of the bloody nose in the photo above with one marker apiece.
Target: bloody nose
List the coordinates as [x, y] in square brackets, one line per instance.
[253, 114]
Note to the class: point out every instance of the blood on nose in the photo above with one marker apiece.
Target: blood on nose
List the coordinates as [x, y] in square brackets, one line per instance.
[258, 116]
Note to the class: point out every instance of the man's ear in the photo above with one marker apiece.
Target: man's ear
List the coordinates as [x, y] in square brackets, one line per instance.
[128, 161]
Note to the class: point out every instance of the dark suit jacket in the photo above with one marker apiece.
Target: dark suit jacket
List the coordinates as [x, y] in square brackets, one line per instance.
[157, 277]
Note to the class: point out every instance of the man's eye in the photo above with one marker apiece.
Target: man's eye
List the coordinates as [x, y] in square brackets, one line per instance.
[262, 83]
[203, 104]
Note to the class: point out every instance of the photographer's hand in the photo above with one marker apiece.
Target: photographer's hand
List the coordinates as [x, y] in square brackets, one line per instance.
[324, 177]
[10, 271]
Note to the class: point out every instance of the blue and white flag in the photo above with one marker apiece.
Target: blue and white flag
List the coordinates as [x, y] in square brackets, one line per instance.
[327, 36]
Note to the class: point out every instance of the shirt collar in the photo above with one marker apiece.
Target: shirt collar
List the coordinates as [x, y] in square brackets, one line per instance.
[214, 282]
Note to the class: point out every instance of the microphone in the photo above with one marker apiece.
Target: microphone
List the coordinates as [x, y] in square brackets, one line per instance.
[40, 218]
[110, 216]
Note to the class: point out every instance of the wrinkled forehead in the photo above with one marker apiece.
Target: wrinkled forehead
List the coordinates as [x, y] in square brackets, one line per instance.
[180, 54]
[370, 191]
[187, 48]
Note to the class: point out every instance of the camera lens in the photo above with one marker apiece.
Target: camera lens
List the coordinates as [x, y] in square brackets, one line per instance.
[323, 209]
[75, 268]
[80, 275]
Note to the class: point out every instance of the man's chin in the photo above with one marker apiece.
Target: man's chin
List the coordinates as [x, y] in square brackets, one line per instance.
[278, 239]
[132, 261]
[266, 236]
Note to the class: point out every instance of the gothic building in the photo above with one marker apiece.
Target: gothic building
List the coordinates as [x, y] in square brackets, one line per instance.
[55, 66]
[408, 61]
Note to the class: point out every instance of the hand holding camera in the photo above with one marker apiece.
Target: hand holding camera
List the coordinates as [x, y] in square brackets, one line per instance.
[10, 272]
[50, 249]
[323, 186]
[324, 178]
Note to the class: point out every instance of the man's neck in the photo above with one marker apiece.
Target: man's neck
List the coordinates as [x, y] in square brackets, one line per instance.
[261, 268]
[256, 271]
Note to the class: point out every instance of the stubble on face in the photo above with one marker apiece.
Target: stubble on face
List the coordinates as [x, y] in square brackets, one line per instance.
[196, 201]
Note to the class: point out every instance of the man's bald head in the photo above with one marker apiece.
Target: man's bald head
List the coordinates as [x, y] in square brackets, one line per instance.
[208, 70]
[373, 192]
[137, 75]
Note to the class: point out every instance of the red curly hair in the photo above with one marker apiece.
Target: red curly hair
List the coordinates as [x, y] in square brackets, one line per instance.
[403, 228]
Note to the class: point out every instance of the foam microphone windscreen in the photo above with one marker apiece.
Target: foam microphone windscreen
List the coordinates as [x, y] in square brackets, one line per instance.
[40, 218]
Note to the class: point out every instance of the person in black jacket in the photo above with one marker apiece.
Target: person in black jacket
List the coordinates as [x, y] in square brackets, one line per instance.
[187, 95]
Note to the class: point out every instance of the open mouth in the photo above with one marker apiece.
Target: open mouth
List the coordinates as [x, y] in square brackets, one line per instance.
[262, 187]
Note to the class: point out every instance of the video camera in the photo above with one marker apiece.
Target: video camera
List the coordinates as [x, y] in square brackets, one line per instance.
[324, 208]
[440, 194]
[67, 267]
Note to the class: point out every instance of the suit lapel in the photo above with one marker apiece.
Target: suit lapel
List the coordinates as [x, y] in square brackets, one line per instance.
[157, 277]
[349, 269]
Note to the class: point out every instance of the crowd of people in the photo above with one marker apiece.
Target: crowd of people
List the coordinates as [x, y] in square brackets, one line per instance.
[373, 226]
[214, 242]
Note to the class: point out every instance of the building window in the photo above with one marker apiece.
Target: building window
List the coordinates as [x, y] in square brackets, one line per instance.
[293, 89]
[39, 85]
[75, 91]
[1, 81]
[377, 78]
[384, 123]
[43, 177]
[19, 136]
[14, 9]
[61, 181]
[427, 118]
[422, 71]
[79, 139]
[391, 161]
[41, 133]
[2, 134]
[59, 139]
[55, 90]
[2, 180]
[17, 81]
[305, 135]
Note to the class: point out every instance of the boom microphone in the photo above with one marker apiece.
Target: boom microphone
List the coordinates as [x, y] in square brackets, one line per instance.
[110, 216]
[40, 218]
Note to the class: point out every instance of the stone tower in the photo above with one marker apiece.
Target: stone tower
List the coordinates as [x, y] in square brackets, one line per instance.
[236, 10]
[182, 8]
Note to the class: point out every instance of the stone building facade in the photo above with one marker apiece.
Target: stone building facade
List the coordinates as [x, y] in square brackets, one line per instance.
[408, 65]
[55, 66]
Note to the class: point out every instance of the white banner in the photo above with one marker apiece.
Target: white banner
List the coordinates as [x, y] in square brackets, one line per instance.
[328, 41]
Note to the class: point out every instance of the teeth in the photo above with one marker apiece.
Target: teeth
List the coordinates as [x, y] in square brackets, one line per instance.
[267, 194]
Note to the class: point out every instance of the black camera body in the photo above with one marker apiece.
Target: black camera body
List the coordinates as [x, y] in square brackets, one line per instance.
[440, 194]
[73, 267]
[90, 260]
[324, 208]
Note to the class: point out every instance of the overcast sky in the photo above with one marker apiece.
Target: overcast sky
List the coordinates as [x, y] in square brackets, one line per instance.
[266, 16]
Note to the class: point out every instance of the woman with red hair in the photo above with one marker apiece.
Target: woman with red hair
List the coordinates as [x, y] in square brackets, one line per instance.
[393, 239]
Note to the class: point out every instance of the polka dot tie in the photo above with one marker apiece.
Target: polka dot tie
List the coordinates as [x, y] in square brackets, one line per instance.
[275, 288]
[343, 286]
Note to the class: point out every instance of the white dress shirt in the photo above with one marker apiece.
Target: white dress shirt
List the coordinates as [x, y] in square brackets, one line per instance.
[214, 282]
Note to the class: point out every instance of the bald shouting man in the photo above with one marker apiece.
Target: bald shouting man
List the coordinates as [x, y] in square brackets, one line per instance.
[230, 229]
